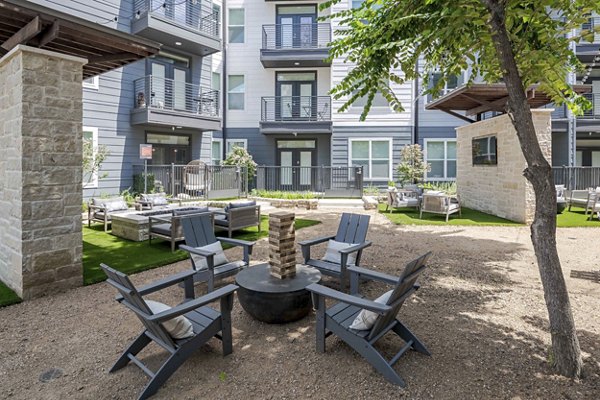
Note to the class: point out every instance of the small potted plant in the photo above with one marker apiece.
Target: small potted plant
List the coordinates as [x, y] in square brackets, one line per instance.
[391, 185]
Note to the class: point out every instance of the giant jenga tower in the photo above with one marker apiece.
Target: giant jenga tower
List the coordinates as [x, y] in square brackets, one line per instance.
[282, 244]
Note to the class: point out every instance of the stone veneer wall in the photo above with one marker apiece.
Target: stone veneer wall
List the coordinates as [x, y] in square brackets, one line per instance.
[40, 171]
[501, 189]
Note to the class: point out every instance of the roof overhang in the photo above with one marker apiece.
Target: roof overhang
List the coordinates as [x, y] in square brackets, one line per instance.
[479, 98]
[24, 22]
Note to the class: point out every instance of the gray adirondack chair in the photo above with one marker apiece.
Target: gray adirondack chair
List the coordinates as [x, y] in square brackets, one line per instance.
[198, 231]
[337, 319]
[353, 230]
[206, 321]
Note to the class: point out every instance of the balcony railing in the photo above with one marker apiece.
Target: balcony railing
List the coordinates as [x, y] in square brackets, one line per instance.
[194, 15]
[593, 112]
[296, 36]
[295, 108]
[592, 24]
[167, 94]
[577, 178]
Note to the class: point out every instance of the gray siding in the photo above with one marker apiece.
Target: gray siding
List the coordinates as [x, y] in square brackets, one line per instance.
[435, 132]
[560, 148]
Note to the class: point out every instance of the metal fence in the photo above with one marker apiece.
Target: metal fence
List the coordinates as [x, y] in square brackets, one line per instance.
[577, 178]
[296, 36]
[195, 15]
[168, 94]
[196, 182]
[295, 108]
[323, 181]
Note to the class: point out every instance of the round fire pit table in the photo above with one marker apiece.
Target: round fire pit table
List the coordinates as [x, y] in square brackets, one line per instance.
[273, 300]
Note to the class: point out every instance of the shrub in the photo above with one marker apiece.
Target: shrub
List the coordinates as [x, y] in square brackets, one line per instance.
[412, 168]
[138, 183]
[278, 194]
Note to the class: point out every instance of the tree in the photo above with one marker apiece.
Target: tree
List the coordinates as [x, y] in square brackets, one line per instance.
[522, 42]
[92, 160]
[412, 168]
[240, 157]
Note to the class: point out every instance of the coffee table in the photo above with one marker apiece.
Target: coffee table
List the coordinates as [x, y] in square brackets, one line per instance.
[273, 300]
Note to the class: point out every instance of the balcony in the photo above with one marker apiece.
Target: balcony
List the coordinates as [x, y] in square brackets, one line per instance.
[295, 114]
[165, 102]
[182, 24]
[295, 45]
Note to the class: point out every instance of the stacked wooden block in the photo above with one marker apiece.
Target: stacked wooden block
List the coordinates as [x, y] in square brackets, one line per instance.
[282, 244]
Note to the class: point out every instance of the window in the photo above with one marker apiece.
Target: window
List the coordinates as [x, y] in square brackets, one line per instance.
[441, 154]
[216, 11]
[357, 3]
[216, 151]
[216, 81]
[236, 92]
[231, 143]
[92, 83]
[451, 83]
[236, 25]
[90, 150]
[375, 155]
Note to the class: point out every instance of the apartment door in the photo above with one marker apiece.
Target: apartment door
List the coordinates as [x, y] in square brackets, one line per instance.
[296, 159]
[296, 27]
[169, 84]
[295, 94]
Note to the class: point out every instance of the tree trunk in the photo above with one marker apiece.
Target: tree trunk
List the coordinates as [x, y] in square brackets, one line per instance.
[565, 345]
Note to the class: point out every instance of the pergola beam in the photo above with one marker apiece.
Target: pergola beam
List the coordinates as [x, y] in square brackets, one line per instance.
[49, 35]
[110, 57]
[496, 105]
[457, 115]
[23, 35]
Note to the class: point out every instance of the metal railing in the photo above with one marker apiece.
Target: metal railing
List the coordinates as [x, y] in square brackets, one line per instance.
[198, 181]
[168, 94]
[295, 108]
[323, 181]
[592, 24]
[594, 111]
[296, 36]
[577, 178]
[196, 15]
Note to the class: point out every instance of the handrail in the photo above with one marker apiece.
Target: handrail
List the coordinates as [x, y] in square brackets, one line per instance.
[296, 36]
[196, 15]
[295, 108]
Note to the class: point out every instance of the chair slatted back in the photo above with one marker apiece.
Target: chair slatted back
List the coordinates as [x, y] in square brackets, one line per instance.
[131, 296]
[405, 284]
[392, 198]
[353, 228]
[435, 203]
[198, 230]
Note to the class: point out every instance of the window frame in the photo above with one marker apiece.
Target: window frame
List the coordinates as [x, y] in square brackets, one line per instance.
[230, 92]
[93, 183]
[94, 85]
[212, 158]
[245, 141]
[426, 141]
[370, 140]
[229, 25]
[459, 78]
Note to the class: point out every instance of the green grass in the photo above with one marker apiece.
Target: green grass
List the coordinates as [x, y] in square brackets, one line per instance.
[131, 257]
[576, 218]
[283, 195]
[410, 216]
[7, 296]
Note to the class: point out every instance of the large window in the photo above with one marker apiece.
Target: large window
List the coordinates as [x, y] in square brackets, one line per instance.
[451, 83]
[216, 81]
[216, 151]
[90, 151]
[375, 155]
[441, 154]
[236, 92]
[236, 25]
[231, 143]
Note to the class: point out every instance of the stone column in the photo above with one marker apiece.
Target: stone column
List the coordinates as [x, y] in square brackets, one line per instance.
[282, 244]
[40, 171]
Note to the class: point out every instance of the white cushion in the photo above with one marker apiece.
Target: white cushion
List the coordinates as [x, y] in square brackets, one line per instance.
[434, 192]
[115, 205]
[218, 259]
[333, 252]
[178, 327]
[365, 318]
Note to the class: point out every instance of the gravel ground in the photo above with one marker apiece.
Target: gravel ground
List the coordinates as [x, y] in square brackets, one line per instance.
[480, 311]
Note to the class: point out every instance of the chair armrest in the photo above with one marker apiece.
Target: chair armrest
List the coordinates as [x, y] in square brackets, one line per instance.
[222, 212]
[367, 304]
[236, 242]
[162, 283]
[93, 207]
[356, 248]
[373, 275]
[194, 304]
[312, 242]
[202, 253]
[161, 219]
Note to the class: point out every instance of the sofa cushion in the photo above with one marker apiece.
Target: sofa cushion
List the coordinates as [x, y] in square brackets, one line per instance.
[190, 212]
[156, 199]
[218, 259]
[365, 318]
[240, 204]
[221, 220]
[111, 204]
[178, 327]
[333, 252]
[162, 229]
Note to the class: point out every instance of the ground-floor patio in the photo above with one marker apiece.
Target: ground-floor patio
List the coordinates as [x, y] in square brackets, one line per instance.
[480, 311]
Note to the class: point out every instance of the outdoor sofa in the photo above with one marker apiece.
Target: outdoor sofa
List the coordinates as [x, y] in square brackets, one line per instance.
[439, 203]
[169, 227]
[236, 216]
[102, 209]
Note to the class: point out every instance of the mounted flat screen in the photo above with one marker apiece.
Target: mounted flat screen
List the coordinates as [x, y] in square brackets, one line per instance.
[485, 151]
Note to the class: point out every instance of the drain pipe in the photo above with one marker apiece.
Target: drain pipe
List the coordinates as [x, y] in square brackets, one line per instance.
[224, 75]
[416, 106]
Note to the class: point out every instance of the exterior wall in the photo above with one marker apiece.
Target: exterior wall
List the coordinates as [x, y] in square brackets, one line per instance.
[501, 189]
[40, 171]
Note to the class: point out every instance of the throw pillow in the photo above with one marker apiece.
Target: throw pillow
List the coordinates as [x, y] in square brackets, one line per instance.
[178, 327]
[333, 252]
[115, 205]
[365, 318]
[218, 259]
[240, 204]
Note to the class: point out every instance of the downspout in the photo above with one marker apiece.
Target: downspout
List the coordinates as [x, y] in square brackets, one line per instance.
[224, 74]
[415, 132]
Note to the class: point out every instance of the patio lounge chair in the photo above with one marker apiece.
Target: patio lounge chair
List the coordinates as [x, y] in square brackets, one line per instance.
[205, 321]
[350, 239]
[199, 233]
[238, 216]
[339, 318]
[196, 179]
[439, 203]
[402, 199]
[101, 209]
[151, 200]
[583, 198]
[168, 227]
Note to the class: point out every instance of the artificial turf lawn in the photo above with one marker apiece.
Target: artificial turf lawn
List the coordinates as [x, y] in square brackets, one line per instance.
[131, 257]
[7, 296]
[576, 218]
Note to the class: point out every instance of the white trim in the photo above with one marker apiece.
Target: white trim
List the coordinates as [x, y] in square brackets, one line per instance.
[370, 140]
[220, 141]
[229, 91]
[93, 183]
[445, 141]
[94, 84]
[245, 141]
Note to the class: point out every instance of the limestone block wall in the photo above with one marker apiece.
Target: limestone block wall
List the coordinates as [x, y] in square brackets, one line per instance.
[40, 171]
[500, 189]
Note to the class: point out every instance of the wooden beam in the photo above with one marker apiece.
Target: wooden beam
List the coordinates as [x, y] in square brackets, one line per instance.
[111, 57]
[25, 34]
[457, 115]
[491, 105]
[49, 34]
[481, 109]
